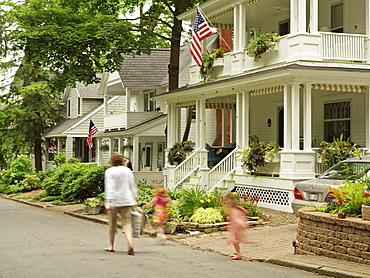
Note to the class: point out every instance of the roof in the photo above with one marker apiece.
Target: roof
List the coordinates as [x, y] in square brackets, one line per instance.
[145, 70]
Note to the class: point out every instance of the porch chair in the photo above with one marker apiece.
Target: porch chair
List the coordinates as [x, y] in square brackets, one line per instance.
[213, 157]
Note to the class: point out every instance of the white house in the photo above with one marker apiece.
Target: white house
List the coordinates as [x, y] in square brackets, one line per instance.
[313, 86]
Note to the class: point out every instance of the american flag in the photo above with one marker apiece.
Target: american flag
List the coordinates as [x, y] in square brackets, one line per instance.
[92, 131]
[201, 30]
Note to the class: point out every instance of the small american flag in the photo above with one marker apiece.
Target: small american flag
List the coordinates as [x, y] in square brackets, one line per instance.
[201, 30]
[92, 131]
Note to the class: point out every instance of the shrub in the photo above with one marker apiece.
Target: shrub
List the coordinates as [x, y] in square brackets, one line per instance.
[59, 159]
[145, 192]
[207, 216]
[50, 198]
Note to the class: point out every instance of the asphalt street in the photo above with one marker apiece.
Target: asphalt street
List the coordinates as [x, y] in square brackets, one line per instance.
[40, 243]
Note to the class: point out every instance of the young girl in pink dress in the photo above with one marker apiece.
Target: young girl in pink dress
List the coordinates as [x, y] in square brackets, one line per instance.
[237, 224]
[160, 201]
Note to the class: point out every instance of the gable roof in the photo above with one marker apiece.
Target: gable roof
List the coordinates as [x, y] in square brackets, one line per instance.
[145, 70]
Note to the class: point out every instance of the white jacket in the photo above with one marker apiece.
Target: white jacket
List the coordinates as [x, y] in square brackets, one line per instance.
[120, 187]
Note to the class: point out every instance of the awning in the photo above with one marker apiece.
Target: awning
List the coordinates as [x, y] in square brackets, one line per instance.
[220, 15]
[251, 2]
[191, 104]
[267, 90]
[340, 88]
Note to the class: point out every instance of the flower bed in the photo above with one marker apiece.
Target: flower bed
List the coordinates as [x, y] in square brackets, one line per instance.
[320, 233]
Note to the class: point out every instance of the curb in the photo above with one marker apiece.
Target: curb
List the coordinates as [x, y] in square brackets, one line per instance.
[328, 271]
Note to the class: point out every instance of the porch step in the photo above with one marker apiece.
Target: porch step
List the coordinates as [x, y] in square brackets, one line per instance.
[189, 184]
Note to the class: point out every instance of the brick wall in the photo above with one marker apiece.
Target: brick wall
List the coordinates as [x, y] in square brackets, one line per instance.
[333, 237]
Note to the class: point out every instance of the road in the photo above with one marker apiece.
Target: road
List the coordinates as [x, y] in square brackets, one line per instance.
[40, 243]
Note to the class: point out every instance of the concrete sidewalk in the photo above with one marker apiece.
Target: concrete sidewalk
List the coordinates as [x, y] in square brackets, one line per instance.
[268, 244]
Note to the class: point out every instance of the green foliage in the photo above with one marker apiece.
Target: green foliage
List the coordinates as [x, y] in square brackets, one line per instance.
[59, 159]
[39, 196]
[75, 181]
[19, 177]
[145, 192]
[97, 201]
[178, 151]
[50, 198]
[208, 60]
[207, 216]
[332, 153]
[57, 202]
[261, 44]
[259, 154]
[249, 204]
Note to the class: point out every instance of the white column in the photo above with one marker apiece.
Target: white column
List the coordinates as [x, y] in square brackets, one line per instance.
[242, 26]
[236, 43]
[201, 123]
[314, 16]
[293, 17]
[136, 153]
[128, 100]
[367, 17]
[238, 119]
[307, 124]
[170, 125]
[367, 118]
[106, 98]
[295, 116]
[98, 152]
[302, 16]
[245, 120]
[287, 117]
[224, 126]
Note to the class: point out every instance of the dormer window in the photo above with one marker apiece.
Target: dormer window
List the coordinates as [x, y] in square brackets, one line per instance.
[79, 106]
[149, 103]
[69, 108]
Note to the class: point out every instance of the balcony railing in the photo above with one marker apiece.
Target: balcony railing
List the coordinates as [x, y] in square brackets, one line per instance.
[125, 120]
[343, 47]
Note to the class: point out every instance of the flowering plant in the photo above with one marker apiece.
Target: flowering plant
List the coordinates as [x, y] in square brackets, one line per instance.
[178, 151]
[94, 202]
[206, 68]
[261, 44]
[332, 153]
[259, 154]
[52, 149]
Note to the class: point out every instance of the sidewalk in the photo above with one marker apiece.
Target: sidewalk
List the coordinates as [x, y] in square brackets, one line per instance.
[268, 244]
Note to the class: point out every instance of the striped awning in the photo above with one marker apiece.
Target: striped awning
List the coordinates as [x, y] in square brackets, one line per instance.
[267, 90]
[191, 104]
[339, 88]
[251, 2]
[220, 15]
[186, 104]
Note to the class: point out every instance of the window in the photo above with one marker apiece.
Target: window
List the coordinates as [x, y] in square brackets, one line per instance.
[69, 108]
[115, 145]
[149, 103]
[337, 120]
[337, 18]
[79, 106]
[160, 156]
[284, 27]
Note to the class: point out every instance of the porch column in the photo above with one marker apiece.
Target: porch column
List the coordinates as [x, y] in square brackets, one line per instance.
[200, 108]
[245, 120]
[98, 152]
[238, 119]
[242, 26]
[224, 126]
[367, 17]
[136, 153]
[128, 100]
[295, 116]
[367, 119]
[69, 147]
[314, 16]
[287, 117]
[236, 43]
[302, 16]
[307, 124]
[293, 16]
[171, 130]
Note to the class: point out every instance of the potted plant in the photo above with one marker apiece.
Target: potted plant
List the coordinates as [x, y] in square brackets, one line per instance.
[126, 147]
[259, 45]
[93, 205]
[208, 60]
[178, 152]
[259, 154]
[338, 150]
[104, 148]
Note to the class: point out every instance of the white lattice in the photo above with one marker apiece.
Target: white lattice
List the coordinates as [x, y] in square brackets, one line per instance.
[267, 196]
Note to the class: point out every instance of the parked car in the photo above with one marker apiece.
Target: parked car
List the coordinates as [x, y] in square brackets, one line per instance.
[317, 190]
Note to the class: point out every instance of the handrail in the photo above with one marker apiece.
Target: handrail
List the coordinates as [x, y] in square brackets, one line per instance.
[222, 169]
[187, 167]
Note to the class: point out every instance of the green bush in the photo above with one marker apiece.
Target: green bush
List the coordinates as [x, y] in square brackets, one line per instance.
[19, 177]
[59, 159]
[207, 216]
[75, 181]
[145, 192]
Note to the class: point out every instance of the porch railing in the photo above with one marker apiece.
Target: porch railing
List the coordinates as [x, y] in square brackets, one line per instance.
[186, 168]
[343, 46]
[222, 170]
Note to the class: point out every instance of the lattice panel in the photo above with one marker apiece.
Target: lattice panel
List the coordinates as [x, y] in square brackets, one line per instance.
[268, 196]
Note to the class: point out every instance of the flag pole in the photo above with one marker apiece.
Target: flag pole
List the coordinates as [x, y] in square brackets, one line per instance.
[210, 23]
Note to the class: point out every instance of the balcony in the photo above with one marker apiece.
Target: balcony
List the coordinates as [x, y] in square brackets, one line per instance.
[126, 120]
[319, 47]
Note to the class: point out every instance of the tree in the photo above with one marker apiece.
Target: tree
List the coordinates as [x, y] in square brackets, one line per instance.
[54, 45]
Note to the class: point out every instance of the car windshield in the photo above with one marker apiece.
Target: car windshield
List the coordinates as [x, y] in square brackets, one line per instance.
[347, 170]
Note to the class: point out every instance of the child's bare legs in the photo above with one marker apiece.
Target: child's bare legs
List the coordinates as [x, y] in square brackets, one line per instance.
[160, 228]
[238, 254]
